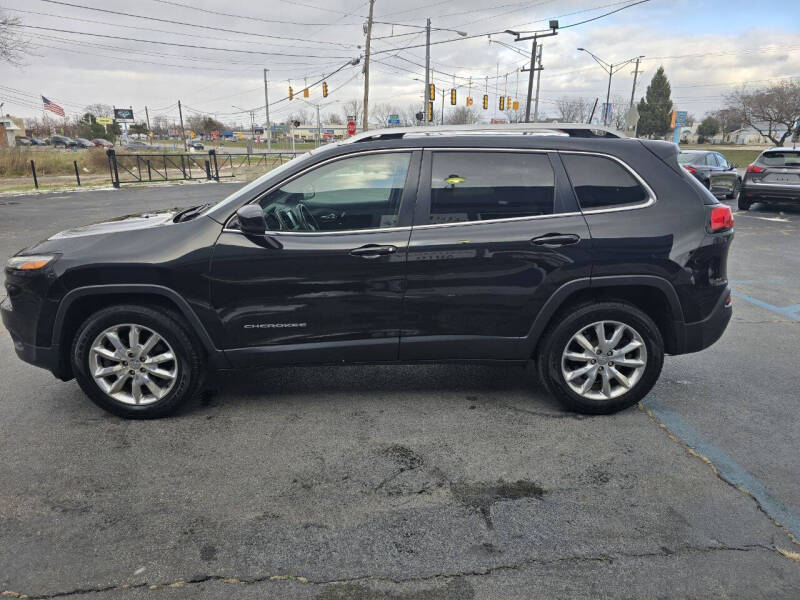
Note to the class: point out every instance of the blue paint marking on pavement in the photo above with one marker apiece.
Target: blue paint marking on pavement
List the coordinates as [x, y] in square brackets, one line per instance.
[729, 470]
[791, 312]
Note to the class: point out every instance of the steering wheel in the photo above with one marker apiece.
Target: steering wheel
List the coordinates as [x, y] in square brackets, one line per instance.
[308, 219]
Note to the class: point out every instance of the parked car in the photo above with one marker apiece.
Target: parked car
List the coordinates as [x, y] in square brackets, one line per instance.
[84, 143]
[593, 256]
[60, 141]
[712, 170]
[38, 142]
[196, 144]
[102, 143]
[773, 177]
[135, 145]
[23, 141]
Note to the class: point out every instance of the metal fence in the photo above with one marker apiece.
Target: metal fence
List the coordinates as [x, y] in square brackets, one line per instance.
[148, 168]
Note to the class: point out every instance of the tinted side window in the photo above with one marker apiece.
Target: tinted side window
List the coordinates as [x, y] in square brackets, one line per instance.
[600, 182]
[361, 192]
[721, 161]
[479, 186]
[710, 160]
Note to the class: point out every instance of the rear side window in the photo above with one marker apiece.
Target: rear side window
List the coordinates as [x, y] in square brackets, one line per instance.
[781, 159]
[479, 186]
[600, 182]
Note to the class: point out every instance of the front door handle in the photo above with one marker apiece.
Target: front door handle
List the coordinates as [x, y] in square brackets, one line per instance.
[555, 240]
[371, 251]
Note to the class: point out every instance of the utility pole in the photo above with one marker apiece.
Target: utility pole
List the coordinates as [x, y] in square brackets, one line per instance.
[365, 123]
[147, 116]
[608, 95]
[535, 37]
[266, 109]
[319, 128]
[611, 69]
[426, 95]
[538, 82]
[183, 131]
[635, 75]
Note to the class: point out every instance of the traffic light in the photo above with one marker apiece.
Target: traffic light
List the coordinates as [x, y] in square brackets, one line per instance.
[516, 105]
[508, 103]
[430, 111]
[291, 93]
[453, 97]
[324, 89]
[431, 92]
[305, 93]
[502, 102]
[485, 101]
[469, 100]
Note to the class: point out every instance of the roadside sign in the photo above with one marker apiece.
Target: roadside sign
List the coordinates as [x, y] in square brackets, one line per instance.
[259, 130]
[605, 113]
[123, 115]
[351, 127]
[104, 120]
[214, 135]
[394, 119]
[678, 118]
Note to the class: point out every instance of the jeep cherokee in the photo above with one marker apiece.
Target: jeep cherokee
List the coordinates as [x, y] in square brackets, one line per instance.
[590, 253]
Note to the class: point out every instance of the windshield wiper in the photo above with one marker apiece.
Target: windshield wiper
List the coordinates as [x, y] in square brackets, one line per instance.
[190, 213]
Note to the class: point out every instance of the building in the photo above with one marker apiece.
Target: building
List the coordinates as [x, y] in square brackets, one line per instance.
[9, 132]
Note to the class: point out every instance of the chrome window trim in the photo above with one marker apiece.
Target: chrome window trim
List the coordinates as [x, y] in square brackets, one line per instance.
[649, 202]
[651, 194]
[311, 168]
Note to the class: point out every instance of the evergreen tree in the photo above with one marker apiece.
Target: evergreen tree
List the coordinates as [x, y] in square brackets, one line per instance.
[655, 109]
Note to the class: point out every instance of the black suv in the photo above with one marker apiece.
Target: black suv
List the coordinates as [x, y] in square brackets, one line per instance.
[591, 254]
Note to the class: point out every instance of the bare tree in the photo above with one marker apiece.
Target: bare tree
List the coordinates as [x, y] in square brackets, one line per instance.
[773, 111]
[463, 115]
[333, 118]
[100, 110]
[573, 110]
[379, 113]
[12, 45]
[353, 108]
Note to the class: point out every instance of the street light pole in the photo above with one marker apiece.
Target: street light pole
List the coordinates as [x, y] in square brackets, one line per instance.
[266, 109]
[611, 69]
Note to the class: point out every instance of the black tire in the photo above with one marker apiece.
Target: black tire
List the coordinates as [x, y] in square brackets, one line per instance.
[737, 188]
[744, 203]
[571, 321]
[172, 328]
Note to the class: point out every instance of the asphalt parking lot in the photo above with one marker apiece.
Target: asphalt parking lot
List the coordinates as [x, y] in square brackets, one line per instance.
[413, 482]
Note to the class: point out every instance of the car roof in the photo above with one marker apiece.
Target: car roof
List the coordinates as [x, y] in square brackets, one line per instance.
[782, 149]
[697, 151]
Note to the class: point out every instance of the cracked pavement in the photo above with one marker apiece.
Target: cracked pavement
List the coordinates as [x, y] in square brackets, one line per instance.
[425, 482]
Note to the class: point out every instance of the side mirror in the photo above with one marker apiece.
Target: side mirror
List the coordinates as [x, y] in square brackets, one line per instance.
[733, 166]
[251, 219]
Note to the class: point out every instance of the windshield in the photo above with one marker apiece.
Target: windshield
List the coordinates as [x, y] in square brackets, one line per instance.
[785, 158]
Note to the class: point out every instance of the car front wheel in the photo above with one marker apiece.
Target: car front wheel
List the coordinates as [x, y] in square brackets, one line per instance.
[601, 358]
[136, 362]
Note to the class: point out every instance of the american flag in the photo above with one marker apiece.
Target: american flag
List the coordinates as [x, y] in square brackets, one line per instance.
[52, 107]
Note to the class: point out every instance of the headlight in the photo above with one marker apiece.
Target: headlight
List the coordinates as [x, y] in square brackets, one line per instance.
[29, 263]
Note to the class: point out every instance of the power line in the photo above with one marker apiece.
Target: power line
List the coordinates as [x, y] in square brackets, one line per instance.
[211, 27]
[224, 14]
[118, 37]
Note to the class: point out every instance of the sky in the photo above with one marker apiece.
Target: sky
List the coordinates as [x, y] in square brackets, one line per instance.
[708, 48]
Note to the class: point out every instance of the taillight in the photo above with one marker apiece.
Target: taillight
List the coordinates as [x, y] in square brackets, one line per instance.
[721, 218]
[754, 169]
[691, 170]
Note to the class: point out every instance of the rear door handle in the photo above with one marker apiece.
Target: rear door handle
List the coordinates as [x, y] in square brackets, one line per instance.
[371, 251]
[327, 218]
[554, 240]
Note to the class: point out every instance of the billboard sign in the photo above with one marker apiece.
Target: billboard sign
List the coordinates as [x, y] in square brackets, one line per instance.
[123, 115]
[104, 120]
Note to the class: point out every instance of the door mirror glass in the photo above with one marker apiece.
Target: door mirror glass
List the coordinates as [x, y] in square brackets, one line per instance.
[251, 219]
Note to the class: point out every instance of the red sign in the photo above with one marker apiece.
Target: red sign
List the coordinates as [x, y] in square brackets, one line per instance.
[351, 127]
[214, 135]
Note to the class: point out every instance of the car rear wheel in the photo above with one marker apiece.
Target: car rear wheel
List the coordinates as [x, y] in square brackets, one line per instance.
[601, 358]
[136, 362]
[744, 203]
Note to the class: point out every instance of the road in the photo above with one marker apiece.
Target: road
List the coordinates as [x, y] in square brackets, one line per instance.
[413, 482]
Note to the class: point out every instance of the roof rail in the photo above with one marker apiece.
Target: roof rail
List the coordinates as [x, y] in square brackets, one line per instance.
[582, 130]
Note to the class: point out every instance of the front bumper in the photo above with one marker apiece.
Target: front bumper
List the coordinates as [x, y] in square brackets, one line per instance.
[696, 336]
[40, 356]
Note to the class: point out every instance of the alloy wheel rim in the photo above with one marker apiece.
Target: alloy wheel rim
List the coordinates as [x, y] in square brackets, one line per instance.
[604, 360]
[133, 364]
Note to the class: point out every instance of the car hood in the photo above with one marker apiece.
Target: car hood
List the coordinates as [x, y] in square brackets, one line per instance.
[145, 220]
